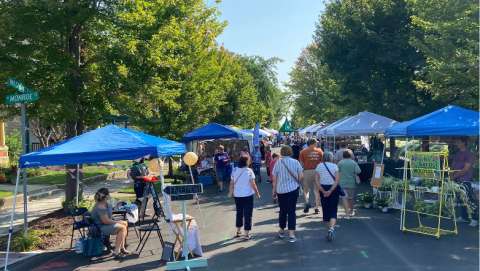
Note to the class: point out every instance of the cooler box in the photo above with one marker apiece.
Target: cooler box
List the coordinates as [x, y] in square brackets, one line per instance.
[205, 180]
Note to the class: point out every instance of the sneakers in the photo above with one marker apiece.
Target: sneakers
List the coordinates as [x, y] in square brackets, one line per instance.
[317, 211]
[281, 234]
[331, 235]
[307, 208]
[292, 239]
[473, 223]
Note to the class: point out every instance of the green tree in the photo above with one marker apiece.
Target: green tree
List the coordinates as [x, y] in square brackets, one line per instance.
[266, 83]
[53, 47]
[316, 94]
[365, 45]
[446, 34]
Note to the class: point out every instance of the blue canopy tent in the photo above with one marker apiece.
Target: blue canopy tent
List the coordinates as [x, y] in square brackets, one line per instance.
[215, 131]
[212, 131]
[108, 143]
[448, 121]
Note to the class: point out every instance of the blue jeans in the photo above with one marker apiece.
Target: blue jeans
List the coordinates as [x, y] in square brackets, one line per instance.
[472, 201]
[256, 169]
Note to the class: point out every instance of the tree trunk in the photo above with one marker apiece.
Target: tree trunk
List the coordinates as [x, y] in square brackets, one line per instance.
[76, 126]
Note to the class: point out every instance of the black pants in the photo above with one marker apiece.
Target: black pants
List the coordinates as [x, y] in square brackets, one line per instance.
[288, 204]
[138, 187]
[330, 204]
[244, 212]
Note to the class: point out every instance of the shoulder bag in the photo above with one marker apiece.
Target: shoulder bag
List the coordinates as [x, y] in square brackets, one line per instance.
[340, 189]
[291, 174]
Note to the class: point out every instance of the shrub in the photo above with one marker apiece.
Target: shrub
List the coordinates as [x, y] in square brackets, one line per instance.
[27, 242]
[14, 143]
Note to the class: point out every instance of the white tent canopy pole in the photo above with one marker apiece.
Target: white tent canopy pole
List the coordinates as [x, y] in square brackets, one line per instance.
[10, 230]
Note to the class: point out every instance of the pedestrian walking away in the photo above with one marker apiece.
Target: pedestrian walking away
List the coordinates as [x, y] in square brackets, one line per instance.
[310, 158]
[328, 181]
[287, 177]
[242, 188]
[348, 171]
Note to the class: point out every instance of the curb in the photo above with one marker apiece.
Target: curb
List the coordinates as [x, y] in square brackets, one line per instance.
[27, 256]
[32, 195]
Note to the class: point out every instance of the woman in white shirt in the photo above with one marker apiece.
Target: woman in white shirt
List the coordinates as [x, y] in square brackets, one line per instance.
[328, 180]
[242, 188]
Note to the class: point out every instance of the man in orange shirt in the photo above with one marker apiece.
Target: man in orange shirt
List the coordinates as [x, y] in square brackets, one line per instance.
[310, 157]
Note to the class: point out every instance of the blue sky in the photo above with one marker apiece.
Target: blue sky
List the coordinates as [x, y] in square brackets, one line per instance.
[269, 28]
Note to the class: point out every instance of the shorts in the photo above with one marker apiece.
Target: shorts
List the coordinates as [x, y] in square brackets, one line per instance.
[309, 179]
[110, 229]
[222, 175]
[349, 193]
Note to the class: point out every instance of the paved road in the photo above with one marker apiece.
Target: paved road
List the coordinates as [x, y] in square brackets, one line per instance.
[371, 241]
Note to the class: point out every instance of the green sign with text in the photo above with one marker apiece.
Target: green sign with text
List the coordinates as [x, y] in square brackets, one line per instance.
[21, 98]
[26, 95]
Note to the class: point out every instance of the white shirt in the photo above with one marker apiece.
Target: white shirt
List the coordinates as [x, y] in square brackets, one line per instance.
[242, 178]
[285, 182]
[325, 177]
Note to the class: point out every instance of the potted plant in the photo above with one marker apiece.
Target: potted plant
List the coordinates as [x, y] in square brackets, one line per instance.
[431, 185]
[383, 204]
[366, 199]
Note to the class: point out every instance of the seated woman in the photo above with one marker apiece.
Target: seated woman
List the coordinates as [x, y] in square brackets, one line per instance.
[102, 216]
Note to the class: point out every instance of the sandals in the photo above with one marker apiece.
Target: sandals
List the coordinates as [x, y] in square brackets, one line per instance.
[125, 252]
[247, 237]
[118, 256]
[238, 234]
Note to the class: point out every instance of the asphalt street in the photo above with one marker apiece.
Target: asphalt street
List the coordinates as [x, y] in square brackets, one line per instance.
[370, 241]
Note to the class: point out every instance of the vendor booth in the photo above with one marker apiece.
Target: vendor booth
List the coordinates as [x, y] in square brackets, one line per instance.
[205, 140]
[109, 143]
[432, 183]
[354, 130]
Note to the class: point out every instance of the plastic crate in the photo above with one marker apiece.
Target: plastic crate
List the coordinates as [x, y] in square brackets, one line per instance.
[205, 180]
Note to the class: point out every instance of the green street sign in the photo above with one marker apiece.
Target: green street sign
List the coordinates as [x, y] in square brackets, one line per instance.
[21, 98]
[18, 85]
[26, 95]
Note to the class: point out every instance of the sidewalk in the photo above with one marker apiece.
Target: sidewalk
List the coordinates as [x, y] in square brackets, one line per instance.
[47, 205]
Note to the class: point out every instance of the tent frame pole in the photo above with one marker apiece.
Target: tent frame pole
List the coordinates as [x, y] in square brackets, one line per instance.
[78, 183]
[160, 172]
[25, 201]
[10, 230]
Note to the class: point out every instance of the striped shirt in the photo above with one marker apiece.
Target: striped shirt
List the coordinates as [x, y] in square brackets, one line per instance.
[285, 182]
[325, 177]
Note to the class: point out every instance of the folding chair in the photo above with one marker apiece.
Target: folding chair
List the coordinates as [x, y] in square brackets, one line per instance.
[78, 222]
[146, 227]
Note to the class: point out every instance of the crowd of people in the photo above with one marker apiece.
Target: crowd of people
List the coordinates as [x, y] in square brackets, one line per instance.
[313, 173]
[317, 174]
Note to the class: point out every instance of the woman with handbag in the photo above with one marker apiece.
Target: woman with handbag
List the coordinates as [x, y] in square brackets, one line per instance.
[287, 176]
[242, 188]
[328, 181]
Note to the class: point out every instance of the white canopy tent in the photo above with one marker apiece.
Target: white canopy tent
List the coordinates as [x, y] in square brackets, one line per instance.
[362, 124]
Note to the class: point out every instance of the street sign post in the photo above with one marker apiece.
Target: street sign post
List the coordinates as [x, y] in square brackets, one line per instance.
[24, 95]
[185, 192]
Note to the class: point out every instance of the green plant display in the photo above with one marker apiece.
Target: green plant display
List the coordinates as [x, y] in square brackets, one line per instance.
[366, 198]
[383, 202]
